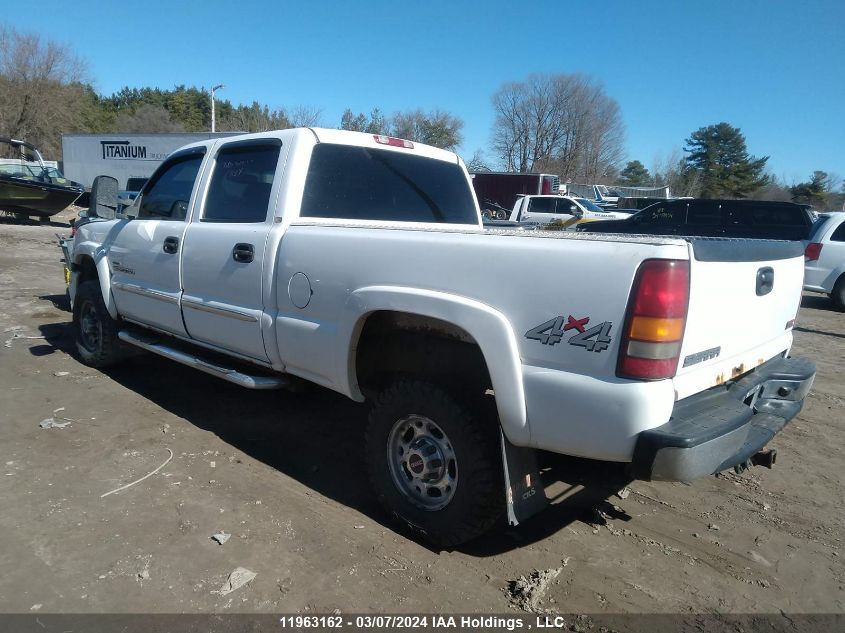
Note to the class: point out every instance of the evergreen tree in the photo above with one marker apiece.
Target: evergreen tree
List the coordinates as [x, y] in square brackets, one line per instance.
[814, 192]
[719, 155]
[634, 174]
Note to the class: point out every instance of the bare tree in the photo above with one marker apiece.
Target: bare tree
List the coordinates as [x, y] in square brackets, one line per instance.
[436, 128]
[42, 91]
[564, 123]
[305, 116]
[673, 171]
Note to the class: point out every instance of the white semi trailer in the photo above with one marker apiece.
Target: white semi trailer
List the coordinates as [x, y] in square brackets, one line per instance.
[122, 156]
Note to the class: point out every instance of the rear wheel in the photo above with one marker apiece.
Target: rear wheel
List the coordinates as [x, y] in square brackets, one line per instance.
[434, 464]
[96, 332]
[838, 294]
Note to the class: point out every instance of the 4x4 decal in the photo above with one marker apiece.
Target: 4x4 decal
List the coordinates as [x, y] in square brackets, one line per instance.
[596, 339]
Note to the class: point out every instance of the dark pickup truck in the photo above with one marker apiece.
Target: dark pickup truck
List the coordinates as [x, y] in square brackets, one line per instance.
[715, 218]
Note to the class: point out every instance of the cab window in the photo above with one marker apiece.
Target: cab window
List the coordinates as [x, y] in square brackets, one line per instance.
[362, 183]
[168, 192]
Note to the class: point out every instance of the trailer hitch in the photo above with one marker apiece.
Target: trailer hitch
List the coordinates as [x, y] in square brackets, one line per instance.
[766, 458]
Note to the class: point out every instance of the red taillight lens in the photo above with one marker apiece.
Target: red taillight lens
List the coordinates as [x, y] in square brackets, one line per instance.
[812, 252]
[392, 141]
[655, 322]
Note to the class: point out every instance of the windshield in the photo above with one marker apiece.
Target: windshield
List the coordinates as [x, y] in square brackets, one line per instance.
[589, 206]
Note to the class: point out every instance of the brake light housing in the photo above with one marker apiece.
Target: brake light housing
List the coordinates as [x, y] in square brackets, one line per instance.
[813, 251]
[655, 320]
[392, 141]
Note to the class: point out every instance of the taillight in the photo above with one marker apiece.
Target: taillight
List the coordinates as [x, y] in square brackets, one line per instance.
[655, 321]
[812, 252]
[392, 141]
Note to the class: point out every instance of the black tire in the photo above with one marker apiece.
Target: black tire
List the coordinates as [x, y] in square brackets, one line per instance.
[477, 499]
[96, 332]
[838, 294]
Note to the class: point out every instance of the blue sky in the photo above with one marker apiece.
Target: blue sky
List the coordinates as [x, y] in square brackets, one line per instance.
[775, 68]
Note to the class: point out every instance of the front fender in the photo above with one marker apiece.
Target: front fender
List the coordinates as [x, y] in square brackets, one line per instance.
[489, 327]
[99, 256]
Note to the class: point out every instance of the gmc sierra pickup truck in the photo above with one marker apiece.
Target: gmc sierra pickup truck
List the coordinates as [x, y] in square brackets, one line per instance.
[357, 262]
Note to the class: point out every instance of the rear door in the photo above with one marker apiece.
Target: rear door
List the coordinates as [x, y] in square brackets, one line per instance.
[225, 248]
[144, 255]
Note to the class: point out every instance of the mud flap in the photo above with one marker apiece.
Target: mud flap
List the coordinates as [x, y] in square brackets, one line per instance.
[524, 492]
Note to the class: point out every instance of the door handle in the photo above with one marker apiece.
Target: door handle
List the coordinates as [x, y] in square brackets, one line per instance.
[243, 253]
[171, 245]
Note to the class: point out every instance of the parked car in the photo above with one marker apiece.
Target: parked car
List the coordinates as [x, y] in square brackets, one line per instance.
[824, 267]
[715, 218]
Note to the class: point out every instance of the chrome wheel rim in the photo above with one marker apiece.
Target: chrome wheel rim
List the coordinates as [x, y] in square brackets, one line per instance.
[422, 462]
[89, 327]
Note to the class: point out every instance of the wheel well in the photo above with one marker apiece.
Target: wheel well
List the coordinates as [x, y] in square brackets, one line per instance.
[87, 269]
[394, 344]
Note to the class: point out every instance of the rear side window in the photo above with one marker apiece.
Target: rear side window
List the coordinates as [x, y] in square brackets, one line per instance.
[360, 183]
[241, 183]
[541, 205]
[167, 195]
[838, 234]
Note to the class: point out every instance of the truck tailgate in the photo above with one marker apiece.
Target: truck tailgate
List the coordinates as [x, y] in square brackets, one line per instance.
[744, 296]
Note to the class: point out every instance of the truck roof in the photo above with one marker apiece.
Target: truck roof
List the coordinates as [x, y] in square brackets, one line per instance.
[345, 137]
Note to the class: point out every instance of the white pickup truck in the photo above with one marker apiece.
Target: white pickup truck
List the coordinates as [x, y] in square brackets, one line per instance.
[357, 262]
[563, 211]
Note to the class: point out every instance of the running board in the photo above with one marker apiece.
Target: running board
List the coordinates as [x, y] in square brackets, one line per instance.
[153, 345]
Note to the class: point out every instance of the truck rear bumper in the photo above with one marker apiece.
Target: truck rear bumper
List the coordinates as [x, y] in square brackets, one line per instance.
[724, 426]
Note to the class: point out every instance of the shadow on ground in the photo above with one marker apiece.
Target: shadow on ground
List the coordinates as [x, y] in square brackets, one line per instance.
[317, 436]
[818, 302]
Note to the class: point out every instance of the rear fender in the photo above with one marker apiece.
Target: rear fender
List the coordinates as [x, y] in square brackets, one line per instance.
[489, 327]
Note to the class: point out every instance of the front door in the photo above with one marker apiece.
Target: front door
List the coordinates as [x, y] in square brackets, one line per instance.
[224, 255]
[144, 255]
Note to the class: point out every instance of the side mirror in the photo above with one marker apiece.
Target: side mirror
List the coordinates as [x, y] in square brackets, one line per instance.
[576, 212]
[103, 198]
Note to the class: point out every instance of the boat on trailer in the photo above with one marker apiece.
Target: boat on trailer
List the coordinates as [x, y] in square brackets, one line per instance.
[28, 186]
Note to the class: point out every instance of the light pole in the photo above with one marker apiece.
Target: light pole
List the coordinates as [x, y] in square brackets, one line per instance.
[213, 88]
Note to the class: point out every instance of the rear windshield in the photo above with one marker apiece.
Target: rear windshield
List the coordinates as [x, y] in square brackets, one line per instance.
[818, 226]
[359, 183]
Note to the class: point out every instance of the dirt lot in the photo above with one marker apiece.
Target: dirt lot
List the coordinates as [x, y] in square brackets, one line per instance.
[283, 474]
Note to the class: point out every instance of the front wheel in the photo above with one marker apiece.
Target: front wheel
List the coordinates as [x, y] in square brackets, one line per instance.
[96, 332]
[435, 466]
